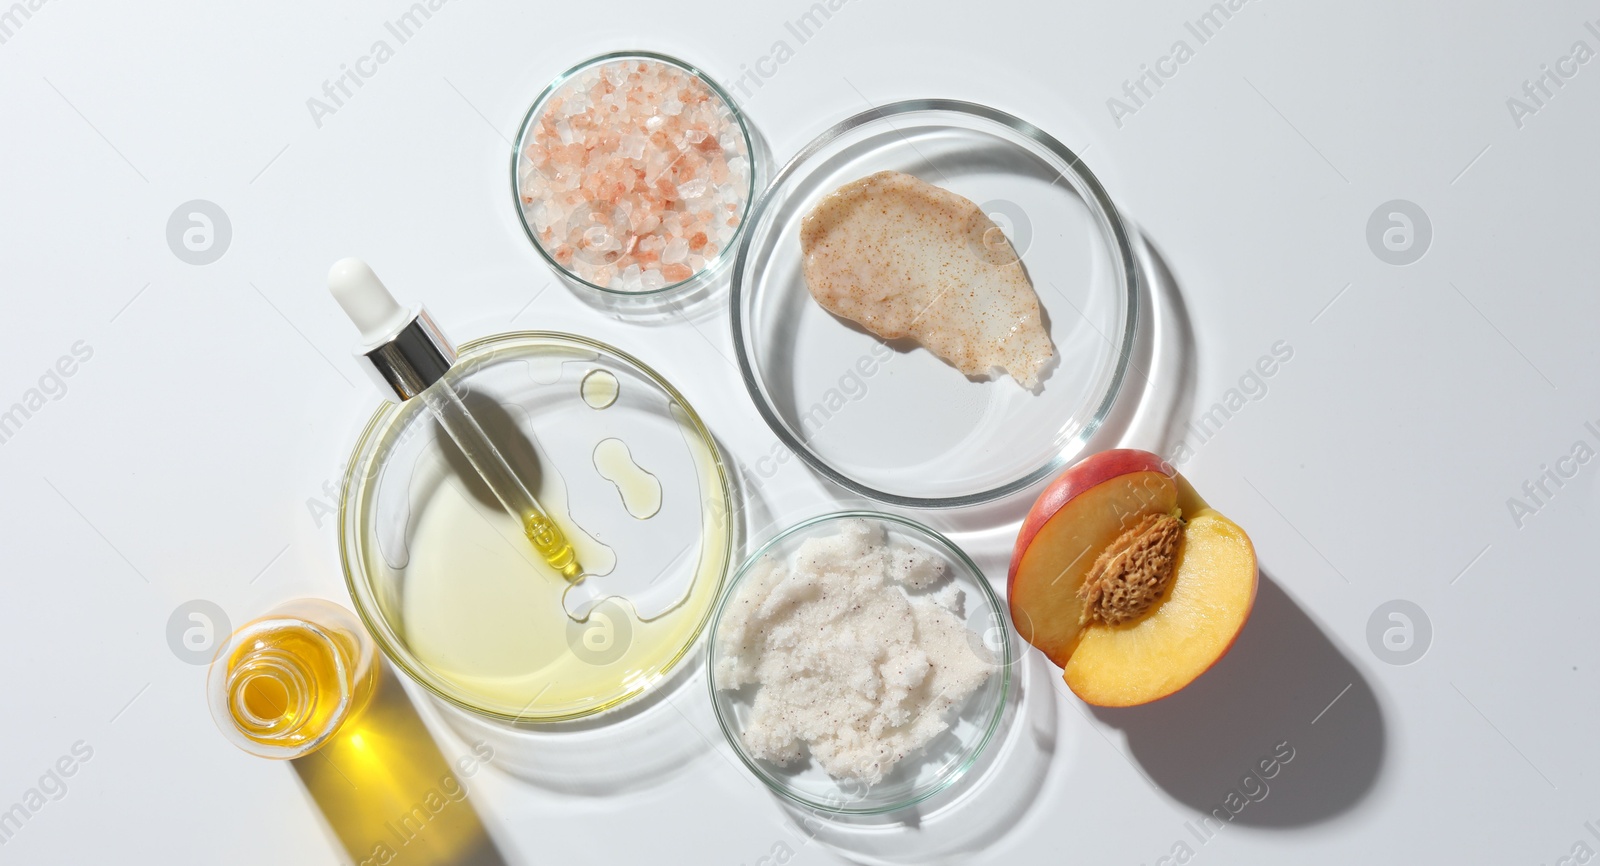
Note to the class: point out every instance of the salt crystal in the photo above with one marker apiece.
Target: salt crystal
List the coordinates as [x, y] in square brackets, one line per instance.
[675, 251]
[539, 215]
[627, 178]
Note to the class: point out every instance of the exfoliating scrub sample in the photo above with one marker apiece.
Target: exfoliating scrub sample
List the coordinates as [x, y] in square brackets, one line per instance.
[904, 258]
[935, 305]
[858, 649]
[634, 175]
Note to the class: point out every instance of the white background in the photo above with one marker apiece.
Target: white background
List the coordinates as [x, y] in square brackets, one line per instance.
[220, 398]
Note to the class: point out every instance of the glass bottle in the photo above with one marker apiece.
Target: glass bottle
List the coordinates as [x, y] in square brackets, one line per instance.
[304, 683]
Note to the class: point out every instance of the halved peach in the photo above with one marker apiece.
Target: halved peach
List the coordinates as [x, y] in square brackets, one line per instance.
[1124, 577]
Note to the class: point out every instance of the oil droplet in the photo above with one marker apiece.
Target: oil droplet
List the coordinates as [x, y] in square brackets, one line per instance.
[641, 491]
[599, 389]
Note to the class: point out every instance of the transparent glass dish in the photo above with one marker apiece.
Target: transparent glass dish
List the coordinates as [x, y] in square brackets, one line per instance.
[451, 588]
[893, 422]
[944, 760]
[749, 143]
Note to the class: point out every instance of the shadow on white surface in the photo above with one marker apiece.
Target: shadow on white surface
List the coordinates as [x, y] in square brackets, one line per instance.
[1149, 412]
[388, 795]
[1283, 688]
[754, 522]
[974, 813]
[1165, 359]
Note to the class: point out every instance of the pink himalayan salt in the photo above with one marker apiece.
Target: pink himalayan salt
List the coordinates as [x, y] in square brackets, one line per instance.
[630, 161]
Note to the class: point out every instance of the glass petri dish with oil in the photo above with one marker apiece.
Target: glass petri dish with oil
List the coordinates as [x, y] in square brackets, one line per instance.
[449, 586]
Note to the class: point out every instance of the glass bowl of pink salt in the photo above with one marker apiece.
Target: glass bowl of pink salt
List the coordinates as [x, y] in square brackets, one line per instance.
[633, 174]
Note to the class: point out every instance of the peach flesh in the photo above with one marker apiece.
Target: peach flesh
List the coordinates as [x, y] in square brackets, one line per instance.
[1043, 589]
[1185, 632]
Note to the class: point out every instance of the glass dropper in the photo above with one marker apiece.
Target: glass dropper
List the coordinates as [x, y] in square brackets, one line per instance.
[407, 354]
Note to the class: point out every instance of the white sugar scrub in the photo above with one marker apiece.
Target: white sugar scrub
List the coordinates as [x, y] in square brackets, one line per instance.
[858, 648]
[634, 174]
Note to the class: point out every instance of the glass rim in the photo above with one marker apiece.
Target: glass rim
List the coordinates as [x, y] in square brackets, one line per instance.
[1118, 243]
[927, 533]
[393, 647]
[219, 696]
[723, 255]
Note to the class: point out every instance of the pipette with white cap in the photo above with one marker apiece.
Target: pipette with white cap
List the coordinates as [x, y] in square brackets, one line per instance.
[408, 356]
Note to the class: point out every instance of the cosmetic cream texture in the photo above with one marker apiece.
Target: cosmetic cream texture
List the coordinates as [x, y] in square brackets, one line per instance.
[851, 666]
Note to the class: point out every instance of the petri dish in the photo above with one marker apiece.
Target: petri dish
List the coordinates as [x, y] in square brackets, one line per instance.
[590, 232]
[893, 422]
[971, 725]
[453, 592]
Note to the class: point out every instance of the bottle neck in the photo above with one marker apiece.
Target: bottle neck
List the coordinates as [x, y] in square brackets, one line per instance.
[287, 682]
[271, 694]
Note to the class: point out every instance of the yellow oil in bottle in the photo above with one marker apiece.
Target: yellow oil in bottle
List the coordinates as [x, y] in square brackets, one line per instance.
[287, 686]
[303, 683]
[286, 681]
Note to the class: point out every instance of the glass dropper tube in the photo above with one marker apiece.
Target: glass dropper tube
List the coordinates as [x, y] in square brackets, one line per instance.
[547, 538]
[408, 356]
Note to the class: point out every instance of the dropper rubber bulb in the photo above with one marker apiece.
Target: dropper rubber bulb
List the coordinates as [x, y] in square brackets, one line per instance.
[384, 325]
[366, 300]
